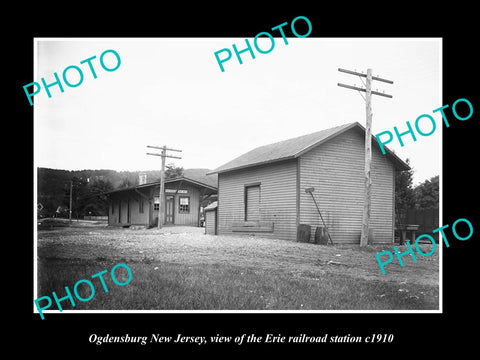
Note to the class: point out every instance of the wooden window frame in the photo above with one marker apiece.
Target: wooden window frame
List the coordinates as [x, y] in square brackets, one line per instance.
[180, 211]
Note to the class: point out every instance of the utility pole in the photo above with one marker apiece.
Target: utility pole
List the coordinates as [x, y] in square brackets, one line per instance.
[164, 155]
[368, 141]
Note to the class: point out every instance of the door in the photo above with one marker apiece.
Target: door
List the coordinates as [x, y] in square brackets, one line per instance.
[169, 208]
[252, 203]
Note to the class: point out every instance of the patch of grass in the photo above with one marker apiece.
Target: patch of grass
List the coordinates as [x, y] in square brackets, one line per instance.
[49, 224]
[166, 286]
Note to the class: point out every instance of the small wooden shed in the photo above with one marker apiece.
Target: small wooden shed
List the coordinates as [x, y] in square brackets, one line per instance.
[210, 213]
[263, 191]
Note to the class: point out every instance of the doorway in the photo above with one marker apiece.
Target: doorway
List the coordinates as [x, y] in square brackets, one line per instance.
[169, 208]
[252, 203]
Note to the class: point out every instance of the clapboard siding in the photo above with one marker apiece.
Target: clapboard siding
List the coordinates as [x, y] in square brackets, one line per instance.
[277, 197]
[252, 198]
[129, 199]
[383, 195]
[336, 170]
[190, 218]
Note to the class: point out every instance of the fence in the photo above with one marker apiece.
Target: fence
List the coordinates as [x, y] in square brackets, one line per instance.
[427, 219]
[98, 218]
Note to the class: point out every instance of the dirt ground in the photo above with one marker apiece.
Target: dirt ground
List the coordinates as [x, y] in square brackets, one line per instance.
[190, 245]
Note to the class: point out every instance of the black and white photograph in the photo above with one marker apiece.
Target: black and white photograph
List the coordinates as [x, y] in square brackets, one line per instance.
[246, 189]
[272, 182]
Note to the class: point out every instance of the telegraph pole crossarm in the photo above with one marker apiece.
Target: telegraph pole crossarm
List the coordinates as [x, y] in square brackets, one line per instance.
[364, 90]
[169, 156]
[163, 148]
[365, 75]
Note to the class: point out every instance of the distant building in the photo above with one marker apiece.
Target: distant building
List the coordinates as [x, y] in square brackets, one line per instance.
[263, 191]
[140, 204]
[142, 179]
[210, 213]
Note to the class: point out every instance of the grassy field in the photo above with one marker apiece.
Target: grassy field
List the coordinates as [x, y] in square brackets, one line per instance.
[181, 268]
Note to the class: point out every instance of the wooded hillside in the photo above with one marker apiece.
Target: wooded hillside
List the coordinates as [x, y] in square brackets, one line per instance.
[53, 188]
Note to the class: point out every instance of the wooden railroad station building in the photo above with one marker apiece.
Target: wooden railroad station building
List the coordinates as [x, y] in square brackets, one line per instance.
[140, 204]
[263, 191]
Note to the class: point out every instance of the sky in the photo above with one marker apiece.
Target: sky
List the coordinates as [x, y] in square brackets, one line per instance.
[171, 91]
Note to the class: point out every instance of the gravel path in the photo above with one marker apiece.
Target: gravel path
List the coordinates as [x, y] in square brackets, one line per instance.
[190, 245]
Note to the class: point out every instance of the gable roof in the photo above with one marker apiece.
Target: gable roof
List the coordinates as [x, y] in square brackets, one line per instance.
[212, 206]
[200, 175]
[295, 147]
[157, 183]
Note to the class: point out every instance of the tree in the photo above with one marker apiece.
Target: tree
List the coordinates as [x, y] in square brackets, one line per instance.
[125, 183]
[404, 193]
[173, 172]
[96, 203]
[426, 194]
[79, 194]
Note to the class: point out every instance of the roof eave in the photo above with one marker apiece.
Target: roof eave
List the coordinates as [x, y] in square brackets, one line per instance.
[252, 165]
[157, 183]
[398, 163]
[328, 138]
[199, 183]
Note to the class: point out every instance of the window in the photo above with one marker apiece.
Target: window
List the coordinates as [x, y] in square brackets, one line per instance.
[184, 204]
[140, 205]
[156, 203]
